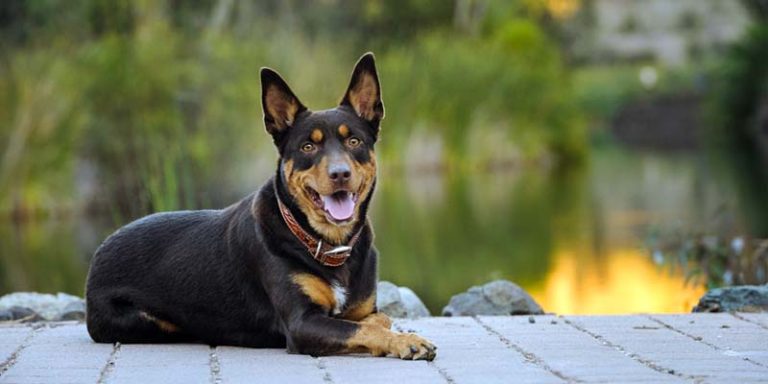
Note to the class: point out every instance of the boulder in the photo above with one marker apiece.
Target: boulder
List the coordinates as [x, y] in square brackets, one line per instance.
[744, 298]
[24, 314]
[73, 311]
[499, 297]
[399, 302]
[6, 315]
[49, 307]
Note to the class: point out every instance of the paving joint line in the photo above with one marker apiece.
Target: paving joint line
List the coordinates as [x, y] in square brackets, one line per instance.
[742, 318]
[109, 365]
[701, 340]
[440, 370]
[215, 366]
[326, 374]
[529, 356]
[11, 360]
[632, 355]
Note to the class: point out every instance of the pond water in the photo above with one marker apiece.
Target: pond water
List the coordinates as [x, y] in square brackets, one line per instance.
[576, 241]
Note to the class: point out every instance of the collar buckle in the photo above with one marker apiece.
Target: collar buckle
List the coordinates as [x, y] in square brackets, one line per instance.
[335, 256]
[340, 250]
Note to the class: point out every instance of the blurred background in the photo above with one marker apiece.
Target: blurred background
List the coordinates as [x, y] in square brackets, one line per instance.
[610, 156]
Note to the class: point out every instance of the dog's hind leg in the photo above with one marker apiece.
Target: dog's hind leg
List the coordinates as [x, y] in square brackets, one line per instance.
[119, 319]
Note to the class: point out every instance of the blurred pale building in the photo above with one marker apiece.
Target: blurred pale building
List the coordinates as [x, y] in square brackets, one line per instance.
[672, 32]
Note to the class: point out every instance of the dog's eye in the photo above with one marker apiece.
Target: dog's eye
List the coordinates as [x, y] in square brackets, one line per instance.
[354, 142]
[307, 147]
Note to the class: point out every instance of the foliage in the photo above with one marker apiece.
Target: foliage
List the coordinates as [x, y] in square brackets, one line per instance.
[162, 99]
[39, 128]
[510, 81]
[743, 81]
[741, 87]
[716, 260]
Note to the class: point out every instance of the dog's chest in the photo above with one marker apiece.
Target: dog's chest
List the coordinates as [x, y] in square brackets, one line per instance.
[340, 297]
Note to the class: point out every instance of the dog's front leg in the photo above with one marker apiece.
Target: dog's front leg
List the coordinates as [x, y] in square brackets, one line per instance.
[305, 304]
[378, 318]
[319, 334]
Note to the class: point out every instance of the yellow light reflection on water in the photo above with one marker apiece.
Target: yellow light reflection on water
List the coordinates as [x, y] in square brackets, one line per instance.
[626, 281]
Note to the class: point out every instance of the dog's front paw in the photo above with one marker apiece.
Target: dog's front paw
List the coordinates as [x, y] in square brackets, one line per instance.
[409, 346]
[378, 318]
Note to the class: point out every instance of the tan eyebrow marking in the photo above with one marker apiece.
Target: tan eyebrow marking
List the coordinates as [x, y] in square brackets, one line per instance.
[343, 131]
[317, 136]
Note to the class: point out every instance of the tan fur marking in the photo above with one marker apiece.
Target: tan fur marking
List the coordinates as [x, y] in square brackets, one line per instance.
[379, 341]
[316, 136]
[363, 96]
[360, 310]
[367, 174]
[281, 107]
[370, 338]
[288, 169]
[344, 131]
[165, 326]
[317, 289]
[378, 318]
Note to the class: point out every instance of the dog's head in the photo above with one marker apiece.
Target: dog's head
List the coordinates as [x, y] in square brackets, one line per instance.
[327, 162]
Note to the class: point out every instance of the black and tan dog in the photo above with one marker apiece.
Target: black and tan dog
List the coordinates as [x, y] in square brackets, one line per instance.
[291, 265]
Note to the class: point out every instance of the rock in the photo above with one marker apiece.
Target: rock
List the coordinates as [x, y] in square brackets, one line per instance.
[744, 298]
[500, 297]
[399, 302]
[388, 300]
[414, 307]
[49, 307]
[24, 314]
[73, 311]
[5, 315]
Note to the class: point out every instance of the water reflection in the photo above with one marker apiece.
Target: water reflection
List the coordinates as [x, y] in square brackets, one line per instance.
[624, 281]
[574, 240]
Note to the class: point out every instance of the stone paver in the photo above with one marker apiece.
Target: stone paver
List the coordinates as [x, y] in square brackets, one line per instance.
[724, 332]
[706, 348]
[667, 350]
[64, 354]
[468, 353]
[12, 340]
[756, 318]
[362, 369]
[564, 349]
[161, 364]
[244, 365]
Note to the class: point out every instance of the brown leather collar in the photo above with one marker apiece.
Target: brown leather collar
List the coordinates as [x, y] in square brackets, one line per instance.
[325, 253]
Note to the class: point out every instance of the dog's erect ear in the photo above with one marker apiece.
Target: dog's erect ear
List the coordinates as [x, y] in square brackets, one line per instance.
[280, 104]
[364, 92]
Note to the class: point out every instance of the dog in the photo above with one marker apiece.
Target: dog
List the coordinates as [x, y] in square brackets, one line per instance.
[289, 266]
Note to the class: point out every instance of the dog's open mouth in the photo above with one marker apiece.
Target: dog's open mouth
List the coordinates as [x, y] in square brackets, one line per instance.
[338, 206]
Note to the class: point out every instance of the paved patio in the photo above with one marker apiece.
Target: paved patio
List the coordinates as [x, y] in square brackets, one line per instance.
[699, 348]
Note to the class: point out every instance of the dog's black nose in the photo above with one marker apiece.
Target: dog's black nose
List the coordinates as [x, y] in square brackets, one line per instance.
[339, 172]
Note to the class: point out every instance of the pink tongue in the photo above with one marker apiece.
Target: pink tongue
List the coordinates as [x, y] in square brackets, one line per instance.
[339, 205]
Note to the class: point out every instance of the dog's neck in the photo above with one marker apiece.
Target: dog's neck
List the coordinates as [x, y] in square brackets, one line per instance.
[324, 252]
